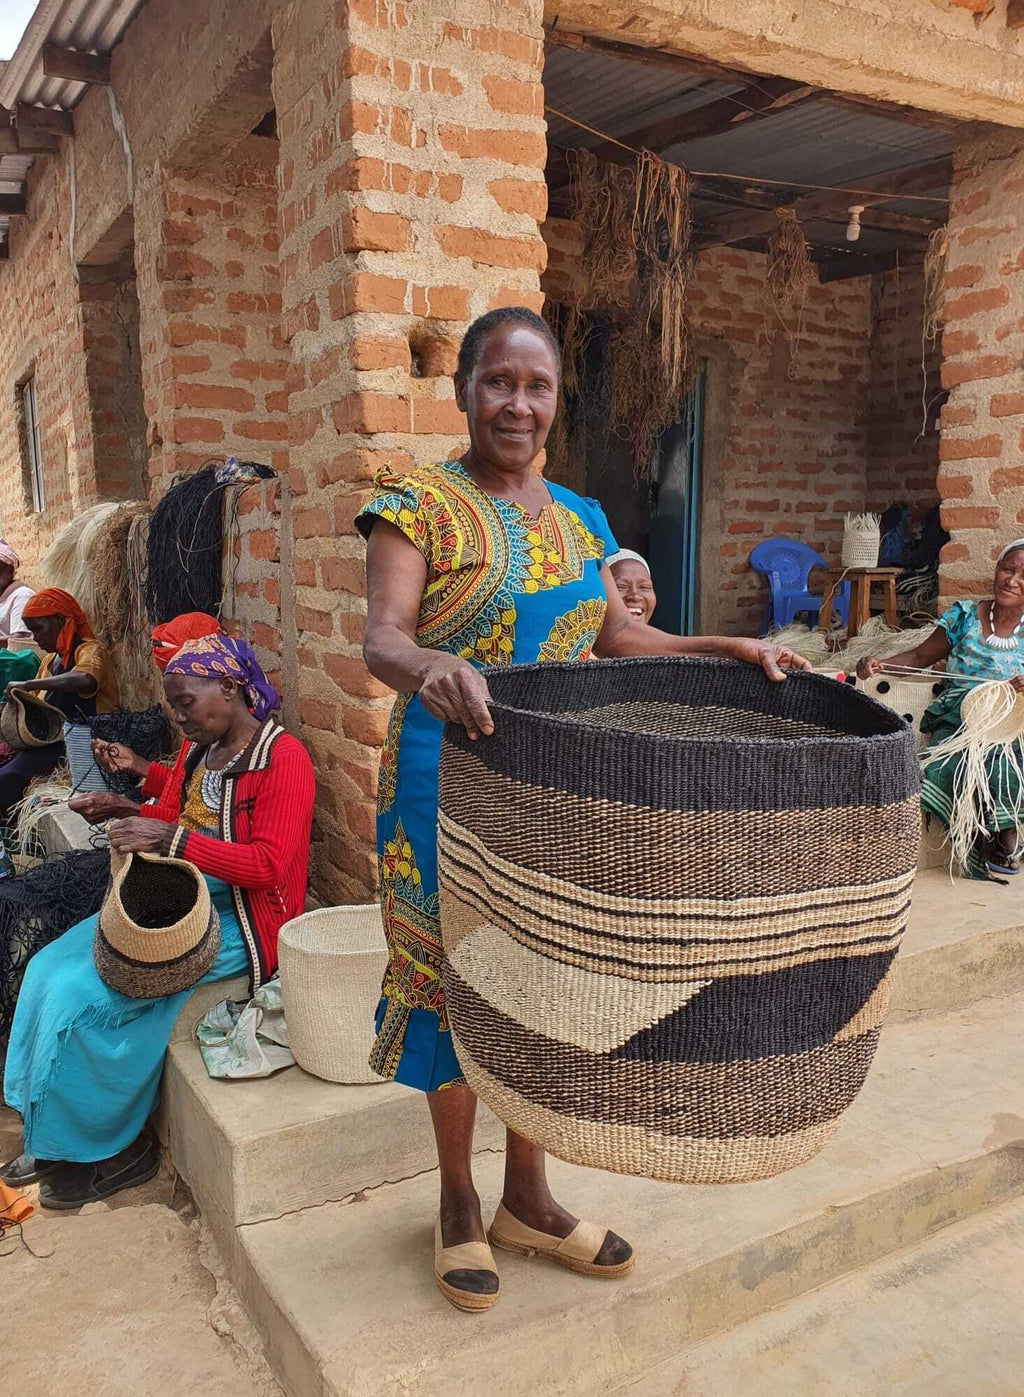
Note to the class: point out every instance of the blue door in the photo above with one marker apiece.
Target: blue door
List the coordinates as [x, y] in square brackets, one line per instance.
[675, 519]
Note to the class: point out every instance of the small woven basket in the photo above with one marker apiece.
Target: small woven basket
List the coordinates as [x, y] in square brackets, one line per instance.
[862, 540]
[27, 721]
[909, 697]
[671, 896]
[332, 962]
[157, 932]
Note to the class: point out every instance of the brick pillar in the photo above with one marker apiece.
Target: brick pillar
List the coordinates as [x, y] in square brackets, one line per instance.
[412, 153]
[981, 481]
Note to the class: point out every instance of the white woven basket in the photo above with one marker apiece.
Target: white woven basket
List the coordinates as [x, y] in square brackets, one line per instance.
[332, 963]
[862, 539]
[909, 696]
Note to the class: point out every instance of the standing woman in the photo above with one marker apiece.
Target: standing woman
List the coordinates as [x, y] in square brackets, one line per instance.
[476, 562]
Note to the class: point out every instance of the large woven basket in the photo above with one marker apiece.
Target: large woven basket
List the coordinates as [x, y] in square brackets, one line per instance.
[27, 721]
[332, 962]
[909, 696]
[157, 932]
[671, 896]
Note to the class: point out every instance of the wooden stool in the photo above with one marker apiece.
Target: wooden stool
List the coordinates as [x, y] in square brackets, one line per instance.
[861, 581]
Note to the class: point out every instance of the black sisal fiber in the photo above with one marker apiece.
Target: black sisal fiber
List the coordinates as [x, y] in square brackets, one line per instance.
[147, 734]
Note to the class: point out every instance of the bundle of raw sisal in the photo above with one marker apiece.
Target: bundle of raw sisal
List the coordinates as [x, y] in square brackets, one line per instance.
[68, 563]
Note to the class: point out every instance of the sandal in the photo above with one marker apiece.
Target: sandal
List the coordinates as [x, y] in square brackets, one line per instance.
[454, 1266]
[1001, 862]
[74, 1185]
[26, 1169]
[581, 1251]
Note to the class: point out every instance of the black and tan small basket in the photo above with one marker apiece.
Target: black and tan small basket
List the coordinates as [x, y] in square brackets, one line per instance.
[671, 897]
[27, 721]
[158, 931]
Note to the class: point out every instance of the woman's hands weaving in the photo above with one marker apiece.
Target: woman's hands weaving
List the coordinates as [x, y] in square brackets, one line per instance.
[137, 836]
[116, 758]
[456, 692]
[100, 806]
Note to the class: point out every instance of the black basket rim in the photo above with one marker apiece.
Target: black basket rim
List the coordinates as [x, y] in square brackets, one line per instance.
[898, 728]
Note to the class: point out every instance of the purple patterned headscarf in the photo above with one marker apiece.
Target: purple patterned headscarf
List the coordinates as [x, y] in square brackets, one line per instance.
[224, 657]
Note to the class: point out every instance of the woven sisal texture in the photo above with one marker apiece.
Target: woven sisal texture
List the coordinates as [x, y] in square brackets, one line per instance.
[157, 932]
[27, 721]
[671, 896]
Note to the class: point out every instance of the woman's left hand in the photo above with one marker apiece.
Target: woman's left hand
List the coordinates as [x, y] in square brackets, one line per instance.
[771, 659]
[137, 836]
[1017, 683]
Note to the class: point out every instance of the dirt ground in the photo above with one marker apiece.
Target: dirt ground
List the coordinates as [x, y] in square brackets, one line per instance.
[122, 1299]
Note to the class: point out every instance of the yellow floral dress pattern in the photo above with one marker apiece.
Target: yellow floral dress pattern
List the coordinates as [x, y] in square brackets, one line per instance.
[502, 587]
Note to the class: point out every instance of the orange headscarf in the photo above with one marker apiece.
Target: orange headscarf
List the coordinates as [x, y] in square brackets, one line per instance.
[51, 601]
[168, 638]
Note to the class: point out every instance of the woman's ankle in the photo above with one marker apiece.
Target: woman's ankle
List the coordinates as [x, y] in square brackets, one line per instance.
[461, 1220]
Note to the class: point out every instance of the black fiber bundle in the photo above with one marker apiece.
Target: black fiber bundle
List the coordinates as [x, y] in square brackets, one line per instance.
[184, 551]
[148, 734]
[38, 907]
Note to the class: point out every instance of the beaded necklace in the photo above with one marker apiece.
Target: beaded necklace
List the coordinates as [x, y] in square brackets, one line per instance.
[1002, 642]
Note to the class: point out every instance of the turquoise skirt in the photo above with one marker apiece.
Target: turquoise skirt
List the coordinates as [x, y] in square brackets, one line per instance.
[84, 1062]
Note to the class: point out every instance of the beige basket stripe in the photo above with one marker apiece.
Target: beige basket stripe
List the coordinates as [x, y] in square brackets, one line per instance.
[505, 974]
[684, 720]
[624, 1149]
[700, 916]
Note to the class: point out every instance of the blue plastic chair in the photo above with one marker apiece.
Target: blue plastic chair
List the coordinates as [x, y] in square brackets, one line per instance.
[787, 565]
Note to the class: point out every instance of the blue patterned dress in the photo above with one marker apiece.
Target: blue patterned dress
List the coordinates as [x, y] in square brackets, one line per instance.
[969, 655]
[502, 588]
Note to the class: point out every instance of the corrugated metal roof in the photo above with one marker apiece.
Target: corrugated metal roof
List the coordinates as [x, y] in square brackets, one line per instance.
[91, 26]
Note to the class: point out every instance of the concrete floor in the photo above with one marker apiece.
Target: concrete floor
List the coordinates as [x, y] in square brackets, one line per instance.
[122, 1300]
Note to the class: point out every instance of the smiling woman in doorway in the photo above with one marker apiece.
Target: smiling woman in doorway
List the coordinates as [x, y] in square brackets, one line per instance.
[471, 563]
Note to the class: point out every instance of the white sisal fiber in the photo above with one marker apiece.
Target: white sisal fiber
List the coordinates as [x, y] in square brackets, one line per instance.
[810, 645]
[42, 795]
[67, 563]
[992, 720]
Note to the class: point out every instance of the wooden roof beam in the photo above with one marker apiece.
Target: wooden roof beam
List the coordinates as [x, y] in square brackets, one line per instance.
[42, 121]
[74, 65]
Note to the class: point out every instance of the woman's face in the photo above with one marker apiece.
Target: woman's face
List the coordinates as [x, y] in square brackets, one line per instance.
[202, 708]
[510, 398]
[1009, 583]
[635, 588]
[44, 630]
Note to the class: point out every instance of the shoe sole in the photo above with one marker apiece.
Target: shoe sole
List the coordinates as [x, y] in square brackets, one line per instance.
[61, 1205]
[30, 1179]
[582, 1268]
[466, 1300]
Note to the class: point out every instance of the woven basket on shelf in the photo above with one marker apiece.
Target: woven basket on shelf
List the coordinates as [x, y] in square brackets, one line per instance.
[27, 721]
[671, 896]
[331, 963]
[158, 932]
[862, 540]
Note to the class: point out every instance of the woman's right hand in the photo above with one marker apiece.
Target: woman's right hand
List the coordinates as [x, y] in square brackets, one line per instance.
[869, 667]
[115, 758]
[98, 806]
[455, 692]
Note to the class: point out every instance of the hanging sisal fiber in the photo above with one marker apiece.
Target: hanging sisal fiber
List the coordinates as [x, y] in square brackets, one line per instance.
[185, 565]
[788, 274]
[120, 568]
[41, 905]
[992, 724]
[69, 563]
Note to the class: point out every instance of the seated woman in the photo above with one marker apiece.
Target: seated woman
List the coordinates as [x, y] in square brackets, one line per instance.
[77, 676]
[13, 595]
[83, 1066]
[981, 639]
[634, 583]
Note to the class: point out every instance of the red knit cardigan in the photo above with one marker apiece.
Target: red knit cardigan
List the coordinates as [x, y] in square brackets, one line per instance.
[265, 819]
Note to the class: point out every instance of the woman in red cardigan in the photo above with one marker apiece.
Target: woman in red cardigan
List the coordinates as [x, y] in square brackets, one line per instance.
[84, 1062]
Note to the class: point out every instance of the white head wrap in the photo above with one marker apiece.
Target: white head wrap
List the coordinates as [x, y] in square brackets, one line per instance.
[1010, 548]
[8, 555]
[627, 555]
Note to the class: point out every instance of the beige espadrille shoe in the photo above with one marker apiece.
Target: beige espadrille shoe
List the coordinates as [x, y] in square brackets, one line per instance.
[578, 1252]
[454, 1265]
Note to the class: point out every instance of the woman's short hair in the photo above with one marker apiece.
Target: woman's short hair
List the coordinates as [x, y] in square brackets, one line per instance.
[473, 340]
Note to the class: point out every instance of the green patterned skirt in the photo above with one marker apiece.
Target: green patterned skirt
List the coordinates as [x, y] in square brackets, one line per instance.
[938, 782]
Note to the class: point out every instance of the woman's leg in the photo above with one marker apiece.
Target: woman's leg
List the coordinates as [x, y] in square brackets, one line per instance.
[528, 1198]
[453, 1112]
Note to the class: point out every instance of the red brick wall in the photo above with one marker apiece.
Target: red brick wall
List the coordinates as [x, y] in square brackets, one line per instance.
[905, 396]
[785, 444]
[117, 417]
[981, 478]
[412, 151]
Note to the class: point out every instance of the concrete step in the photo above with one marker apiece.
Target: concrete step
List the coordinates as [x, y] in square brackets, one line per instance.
[344, 1298]
[251, 1151]
[940, 1320]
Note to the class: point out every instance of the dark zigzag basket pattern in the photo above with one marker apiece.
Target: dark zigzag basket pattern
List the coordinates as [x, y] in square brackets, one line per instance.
[671, 896]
